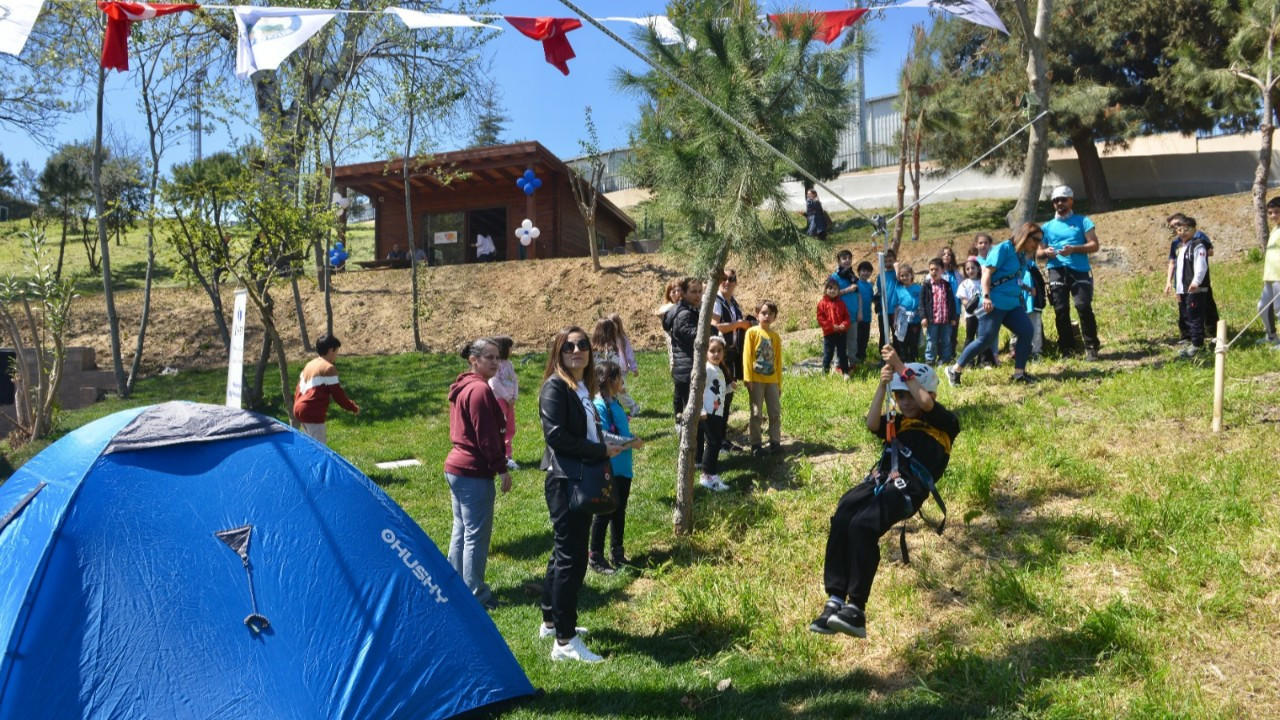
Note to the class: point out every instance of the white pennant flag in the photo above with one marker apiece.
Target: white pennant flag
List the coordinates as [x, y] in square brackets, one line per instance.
[978, 12]
[666, 32]
[268, 35]
[17, 17]
[418, 20]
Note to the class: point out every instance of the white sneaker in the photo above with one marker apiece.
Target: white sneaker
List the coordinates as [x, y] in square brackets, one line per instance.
[512, 464]
[546, 632]
[574, 650]
[720, 484]
[709, 482]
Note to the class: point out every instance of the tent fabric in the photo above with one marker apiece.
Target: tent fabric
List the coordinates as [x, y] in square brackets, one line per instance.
[118, 600]
[177, 423]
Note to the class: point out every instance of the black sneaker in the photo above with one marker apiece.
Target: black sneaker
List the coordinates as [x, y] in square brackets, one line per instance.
[597, 563]
[819, 624]
[1023, 378]
[775, 448]
[849, 621]
[491, 604]
[618, 559]
[1091, 354]
[953, 376]
[757, 451]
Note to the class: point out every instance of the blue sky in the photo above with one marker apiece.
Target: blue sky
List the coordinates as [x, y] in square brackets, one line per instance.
[541, 103]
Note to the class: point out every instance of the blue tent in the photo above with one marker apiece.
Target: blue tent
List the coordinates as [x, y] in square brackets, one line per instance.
[196, 561]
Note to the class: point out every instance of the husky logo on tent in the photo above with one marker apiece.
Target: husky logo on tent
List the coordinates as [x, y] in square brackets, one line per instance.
[275, 29]
[419, 572]
[119, 598]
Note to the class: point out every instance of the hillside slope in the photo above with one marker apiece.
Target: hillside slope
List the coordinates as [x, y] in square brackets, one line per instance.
[531, 300]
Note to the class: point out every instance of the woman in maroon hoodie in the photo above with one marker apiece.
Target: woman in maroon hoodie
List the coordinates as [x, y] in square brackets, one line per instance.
[476, 429]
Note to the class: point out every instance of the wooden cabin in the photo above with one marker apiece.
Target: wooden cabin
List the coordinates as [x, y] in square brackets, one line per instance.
[458, 195]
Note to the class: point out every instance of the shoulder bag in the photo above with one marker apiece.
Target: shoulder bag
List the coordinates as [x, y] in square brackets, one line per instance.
[592, 491]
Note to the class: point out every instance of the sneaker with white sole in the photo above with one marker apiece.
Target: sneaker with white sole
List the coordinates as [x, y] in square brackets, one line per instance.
[575, 649]
[849, 620]
[720, 484]
[708, 482]
[819, 624]
[953, 376]
[512, 464]
[545, 632]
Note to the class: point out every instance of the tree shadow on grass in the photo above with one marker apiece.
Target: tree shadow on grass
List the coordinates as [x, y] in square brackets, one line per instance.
[529, 547]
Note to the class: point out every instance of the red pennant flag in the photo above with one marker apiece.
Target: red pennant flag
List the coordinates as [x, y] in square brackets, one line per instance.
[120, 18]
[830, 24]
[551, 32]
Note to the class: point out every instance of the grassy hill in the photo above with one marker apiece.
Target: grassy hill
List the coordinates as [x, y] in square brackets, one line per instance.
[1106, 556]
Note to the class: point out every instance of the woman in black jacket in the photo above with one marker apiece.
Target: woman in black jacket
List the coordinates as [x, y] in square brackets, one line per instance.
[572, 434]
[684, 328]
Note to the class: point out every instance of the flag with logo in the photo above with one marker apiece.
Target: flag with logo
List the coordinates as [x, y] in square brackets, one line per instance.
[265, 36]
[17, 17]
[120, 19]
[978, 12]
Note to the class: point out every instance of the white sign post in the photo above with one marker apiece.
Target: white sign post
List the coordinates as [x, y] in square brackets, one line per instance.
[235, 364]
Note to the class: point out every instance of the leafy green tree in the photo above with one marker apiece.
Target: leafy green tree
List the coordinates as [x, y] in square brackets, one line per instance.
[63, 191]
[1109, 67]
[720, 189]
[1246, 64]
[204, 198]
[8, 179]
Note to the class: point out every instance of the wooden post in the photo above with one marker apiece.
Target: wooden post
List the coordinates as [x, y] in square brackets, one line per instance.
[1219, 374]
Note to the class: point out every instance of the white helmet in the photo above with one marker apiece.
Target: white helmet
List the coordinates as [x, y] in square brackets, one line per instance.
[1062, 191]
[924, 374]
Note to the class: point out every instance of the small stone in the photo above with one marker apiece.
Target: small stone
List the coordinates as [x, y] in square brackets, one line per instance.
[724, 685]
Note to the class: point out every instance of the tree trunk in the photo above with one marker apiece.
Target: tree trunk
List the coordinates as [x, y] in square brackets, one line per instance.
[302, 318]
[1095, 180]
[682, 515]
[1037, 160]
[146, 301]
[595, 248]
[62, 248]
[915, 178]
[1262, 174]
[113, 320]
[902, 167]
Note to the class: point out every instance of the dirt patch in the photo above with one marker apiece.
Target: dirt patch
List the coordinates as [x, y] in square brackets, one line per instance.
[531, 300]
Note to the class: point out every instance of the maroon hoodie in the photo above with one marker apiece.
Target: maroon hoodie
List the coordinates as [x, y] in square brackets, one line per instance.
[476, 427]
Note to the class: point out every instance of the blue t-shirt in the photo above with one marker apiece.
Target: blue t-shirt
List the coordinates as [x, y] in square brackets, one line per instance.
[850, 299]
[1006, 265]
[907, 298]
[866, 294]
[1059, 233]
[953, 279]
[614, 420]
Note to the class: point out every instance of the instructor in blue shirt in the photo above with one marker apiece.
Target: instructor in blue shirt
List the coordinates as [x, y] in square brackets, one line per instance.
[1069, 240]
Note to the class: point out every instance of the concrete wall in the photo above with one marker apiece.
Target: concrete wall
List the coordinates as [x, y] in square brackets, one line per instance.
[82, 383]
[1168, 165]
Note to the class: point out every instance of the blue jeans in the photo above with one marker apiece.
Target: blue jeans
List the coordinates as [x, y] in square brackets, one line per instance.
[939, 347]
[472, 527]
[989, 334]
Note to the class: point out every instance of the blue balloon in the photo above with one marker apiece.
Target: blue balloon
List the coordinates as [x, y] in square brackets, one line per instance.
[528, 189]
[537, 183]
[528, 174]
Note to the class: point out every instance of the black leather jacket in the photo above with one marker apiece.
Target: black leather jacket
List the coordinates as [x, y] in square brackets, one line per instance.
[564, 428]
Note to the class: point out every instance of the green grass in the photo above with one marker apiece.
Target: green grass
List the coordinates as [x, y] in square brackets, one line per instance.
[1106, 555]
[129, 258]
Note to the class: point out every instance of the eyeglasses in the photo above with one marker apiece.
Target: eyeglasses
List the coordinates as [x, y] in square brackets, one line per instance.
[731, 278]
[570, 346]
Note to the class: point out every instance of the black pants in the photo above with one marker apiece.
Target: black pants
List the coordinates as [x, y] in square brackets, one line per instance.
[1067, 288]
[567, 565]
[714, 426]
[1193, 308]
[615, 521]
[680, 395]
[1210, 316]
[909, 346]
[835, 343]
[853, 546]
[864, 337]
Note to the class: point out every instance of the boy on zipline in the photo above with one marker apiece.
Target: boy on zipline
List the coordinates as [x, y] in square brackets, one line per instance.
[917, 446]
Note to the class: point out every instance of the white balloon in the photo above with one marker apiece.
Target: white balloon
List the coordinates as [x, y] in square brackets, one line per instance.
[526, 224]
[534, 233]
[525, 240]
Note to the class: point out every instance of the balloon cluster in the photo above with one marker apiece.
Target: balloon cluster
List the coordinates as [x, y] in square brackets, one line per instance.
[528, 182]
[527, 232]
[338, 255]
